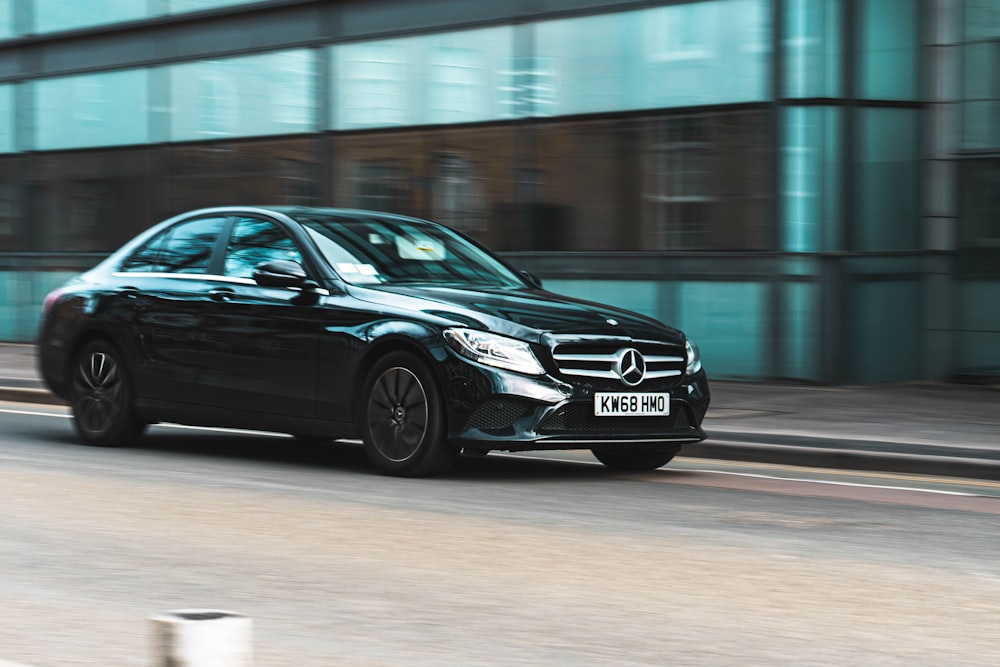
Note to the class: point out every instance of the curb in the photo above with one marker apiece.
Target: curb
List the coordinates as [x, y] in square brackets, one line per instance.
[967, 463]
[29, 395]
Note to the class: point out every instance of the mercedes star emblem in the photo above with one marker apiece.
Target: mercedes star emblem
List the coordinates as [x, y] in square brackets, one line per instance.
[630, 366]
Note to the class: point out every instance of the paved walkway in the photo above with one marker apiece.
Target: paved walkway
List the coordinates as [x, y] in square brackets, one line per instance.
[924, 427]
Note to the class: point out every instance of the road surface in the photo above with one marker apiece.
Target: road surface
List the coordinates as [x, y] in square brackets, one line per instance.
[508, 560]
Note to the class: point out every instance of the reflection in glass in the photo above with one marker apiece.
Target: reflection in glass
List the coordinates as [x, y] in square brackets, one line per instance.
[980, 202]
[811, 155]
[458, 194]
[681, 196]
[271, 93]
[53, 15]
[686, 54]
[7, 19]
[890, 45]
[375, 250]
[183, 248]
[7, 119]
[255, 241]
[266, 171]
[982, 19]
[812, 53]
[981, 95]
[452, 77]
[886, 180]
[105, 109]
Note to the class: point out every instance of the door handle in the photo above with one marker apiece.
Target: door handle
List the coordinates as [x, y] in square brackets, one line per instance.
[221, 294]
[128, 292]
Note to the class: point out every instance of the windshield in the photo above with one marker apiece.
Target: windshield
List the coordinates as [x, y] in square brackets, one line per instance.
[367, 250]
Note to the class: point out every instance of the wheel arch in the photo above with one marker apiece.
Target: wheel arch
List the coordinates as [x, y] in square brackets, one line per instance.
[423, 342]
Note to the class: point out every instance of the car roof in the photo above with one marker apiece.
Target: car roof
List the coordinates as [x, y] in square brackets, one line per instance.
[295, 211]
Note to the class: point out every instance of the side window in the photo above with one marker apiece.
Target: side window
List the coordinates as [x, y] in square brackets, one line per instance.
[255, 241]
[183, 248]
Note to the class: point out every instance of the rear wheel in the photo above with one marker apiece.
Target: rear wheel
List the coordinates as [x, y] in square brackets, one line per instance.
[402, 420]
[636, 459]
[101, 397]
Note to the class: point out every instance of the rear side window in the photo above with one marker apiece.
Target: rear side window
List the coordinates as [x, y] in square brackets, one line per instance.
[183, 248]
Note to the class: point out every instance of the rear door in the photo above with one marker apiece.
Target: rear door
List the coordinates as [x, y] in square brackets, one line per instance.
[161, 301]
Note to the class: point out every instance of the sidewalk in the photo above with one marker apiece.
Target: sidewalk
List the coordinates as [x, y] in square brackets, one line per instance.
[922, 427]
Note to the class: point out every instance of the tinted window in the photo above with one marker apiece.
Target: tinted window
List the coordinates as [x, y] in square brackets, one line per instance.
[183, 248]
[397, 251]
[254, 241]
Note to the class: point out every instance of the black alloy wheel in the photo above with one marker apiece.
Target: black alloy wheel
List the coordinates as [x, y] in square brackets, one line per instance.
[620, 458]
[402, 418]
[101, 398]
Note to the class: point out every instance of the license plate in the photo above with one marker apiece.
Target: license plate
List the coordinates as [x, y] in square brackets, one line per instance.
[631, 404]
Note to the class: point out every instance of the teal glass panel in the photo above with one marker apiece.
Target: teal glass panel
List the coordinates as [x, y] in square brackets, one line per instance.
[55, 15]
[7, 119]
[267, 94]
[982, 19]
[800, 329]
[7, 19]
[812, 48]
[454, 77]
[634, 295]
[889, 48]
[979, 324]
[677, 55]
[181, 6]
[811, 178]
[981, 95]
[886, 331]
[887, 217]
[106, 109]
[21, 296]
[727, 321]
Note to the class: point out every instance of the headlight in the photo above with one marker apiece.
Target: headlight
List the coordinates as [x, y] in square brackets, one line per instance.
[493, 350]
[693, 358]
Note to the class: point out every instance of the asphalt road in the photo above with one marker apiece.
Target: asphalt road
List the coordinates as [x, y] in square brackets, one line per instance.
[508, 560]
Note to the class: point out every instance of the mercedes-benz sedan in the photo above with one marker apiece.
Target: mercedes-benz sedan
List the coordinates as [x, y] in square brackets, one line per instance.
[329, 323]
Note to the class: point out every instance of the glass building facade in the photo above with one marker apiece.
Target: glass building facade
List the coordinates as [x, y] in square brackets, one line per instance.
[809, 188]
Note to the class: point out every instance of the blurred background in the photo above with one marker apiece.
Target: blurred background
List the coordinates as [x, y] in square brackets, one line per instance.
[809, 188]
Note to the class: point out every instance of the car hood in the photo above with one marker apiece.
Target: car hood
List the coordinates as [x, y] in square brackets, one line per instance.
[525, 314]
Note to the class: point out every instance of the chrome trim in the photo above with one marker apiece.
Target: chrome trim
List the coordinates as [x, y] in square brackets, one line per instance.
[610, 358]
[653, 375]
[590, 373]
[211, 277]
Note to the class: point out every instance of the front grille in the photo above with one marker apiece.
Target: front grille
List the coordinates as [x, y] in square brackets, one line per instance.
[580, 418]
[593, 363]
[497, 415]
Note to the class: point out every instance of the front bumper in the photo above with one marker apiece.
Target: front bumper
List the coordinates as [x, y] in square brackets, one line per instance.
[492, 409]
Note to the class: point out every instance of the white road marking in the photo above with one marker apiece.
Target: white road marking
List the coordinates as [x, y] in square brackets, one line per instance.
[837, 483]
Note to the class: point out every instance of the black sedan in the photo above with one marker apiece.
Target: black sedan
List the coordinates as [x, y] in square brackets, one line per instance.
[329, 323]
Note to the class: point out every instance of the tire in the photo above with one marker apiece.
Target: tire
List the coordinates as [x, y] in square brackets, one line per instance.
[101, 397]
[618, 458]
[401, 418]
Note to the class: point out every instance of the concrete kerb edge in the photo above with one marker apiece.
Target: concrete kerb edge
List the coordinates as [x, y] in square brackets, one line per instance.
[29, 395]
[848, 459]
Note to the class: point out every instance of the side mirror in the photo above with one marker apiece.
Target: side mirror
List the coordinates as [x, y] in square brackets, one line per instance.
[280, 273]
[532, 280]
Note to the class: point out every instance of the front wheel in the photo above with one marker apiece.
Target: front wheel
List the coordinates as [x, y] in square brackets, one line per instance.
[402, 419]
[618, 458]
[101, 397]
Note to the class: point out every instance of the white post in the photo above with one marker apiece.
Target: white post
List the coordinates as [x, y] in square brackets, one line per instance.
[203, 638]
